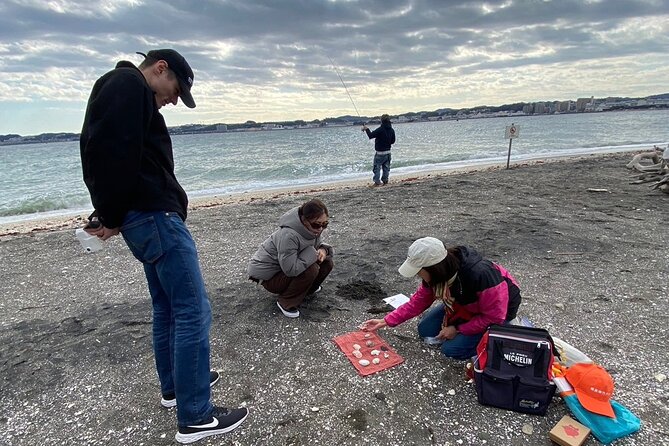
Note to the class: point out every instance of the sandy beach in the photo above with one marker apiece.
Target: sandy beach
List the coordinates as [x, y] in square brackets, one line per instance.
[588, 248]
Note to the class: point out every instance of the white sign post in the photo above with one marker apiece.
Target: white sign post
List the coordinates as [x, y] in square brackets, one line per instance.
[512, 131]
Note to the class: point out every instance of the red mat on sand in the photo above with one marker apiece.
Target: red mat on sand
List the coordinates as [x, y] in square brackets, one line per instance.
[368, 341]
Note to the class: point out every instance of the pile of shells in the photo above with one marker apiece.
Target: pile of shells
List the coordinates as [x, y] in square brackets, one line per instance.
[376, 353]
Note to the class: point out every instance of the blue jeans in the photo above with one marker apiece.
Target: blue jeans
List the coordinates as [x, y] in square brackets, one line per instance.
[460, 347]
[381, 162]
[181, 310]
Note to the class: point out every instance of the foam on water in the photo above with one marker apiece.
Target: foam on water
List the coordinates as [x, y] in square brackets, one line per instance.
[45, 180]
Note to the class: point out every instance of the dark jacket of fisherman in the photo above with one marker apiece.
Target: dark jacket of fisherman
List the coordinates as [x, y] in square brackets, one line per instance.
[385, 136]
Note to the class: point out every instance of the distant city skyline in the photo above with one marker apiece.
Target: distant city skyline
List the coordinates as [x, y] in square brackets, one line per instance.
[278, 61]
[580, 105]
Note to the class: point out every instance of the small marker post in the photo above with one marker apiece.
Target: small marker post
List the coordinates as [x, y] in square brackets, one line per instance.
[512, 131]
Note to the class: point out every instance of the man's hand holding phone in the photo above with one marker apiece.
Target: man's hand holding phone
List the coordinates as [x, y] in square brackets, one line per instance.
[93, 223]
[94, 227]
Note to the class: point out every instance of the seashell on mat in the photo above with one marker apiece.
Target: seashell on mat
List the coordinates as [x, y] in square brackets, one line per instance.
[376, 360]
[375, 353]
[357, 354]
[370, 344]
[356, 347]
[364, 362]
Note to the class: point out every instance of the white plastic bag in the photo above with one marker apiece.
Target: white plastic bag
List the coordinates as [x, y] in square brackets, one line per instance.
[569, 355]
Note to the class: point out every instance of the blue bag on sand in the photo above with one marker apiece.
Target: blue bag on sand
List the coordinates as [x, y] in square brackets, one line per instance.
[605, 429]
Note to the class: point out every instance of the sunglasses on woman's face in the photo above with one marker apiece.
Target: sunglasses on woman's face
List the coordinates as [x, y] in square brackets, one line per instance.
[317, 225]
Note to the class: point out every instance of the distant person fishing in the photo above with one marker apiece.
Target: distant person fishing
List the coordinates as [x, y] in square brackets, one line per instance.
[384, 137]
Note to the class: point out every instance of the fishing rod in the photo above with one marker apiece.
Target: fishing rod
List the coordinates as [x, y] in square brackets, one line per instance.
[345, 88]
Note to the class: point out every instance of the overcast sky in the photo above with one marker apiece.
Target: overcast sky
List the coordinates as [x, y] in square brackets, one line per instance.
[270, 60]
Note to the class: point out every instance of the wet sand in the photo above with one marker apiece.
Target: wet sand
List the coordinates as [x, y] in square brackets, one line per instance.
[588, 248]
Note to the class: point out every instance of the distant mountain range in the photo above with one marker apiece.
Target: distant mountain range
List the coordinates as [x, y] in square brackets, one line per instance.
[614, 103]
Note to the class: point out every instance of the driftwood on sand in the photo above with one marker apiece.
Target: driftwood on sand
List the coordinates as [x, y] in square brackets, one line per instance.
[654, 167]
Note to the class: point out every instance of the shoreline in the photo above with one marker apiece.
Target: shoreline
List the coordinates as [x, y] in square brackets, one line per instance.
[74, 220]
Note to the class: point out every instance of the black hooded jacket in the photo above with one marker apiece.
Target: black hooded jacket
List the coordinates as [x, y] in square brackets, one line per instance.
[477, 274]
[385, 136]
[126, 151]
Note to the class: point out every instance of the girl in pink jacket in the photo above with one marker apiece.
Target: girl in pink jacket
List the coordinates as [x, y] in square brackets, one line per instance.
[473, 293]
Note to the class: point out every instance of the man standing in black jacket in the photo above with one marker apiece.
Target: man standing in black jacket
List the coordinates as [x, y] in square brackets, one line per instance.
[128, 167]
[385, 137]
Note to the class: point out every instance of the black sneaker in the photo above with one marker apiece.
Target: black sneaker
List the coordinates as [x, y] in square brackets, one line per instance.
[312, 294]
[222, 420]
[170, 399]
[288, 312]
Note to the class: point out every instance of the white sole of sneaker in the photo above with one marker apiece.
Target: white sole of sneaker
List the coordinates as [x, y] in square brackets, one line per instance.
[218, 376]
[168, 403]
[191, 438]
[286, 313]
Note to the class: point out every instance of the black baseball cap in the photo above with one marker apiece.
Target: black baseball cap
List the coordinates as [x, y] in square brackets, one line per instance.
[180, 67]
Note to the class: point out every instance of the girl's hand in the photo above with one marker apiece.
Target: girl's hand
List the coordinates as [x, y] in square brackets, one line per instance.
[448, 332]
[322, 254]
[372, 325]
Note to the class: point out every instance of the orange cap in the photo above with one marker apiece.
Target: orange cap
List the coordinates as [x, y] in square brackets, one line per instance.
[593, 386]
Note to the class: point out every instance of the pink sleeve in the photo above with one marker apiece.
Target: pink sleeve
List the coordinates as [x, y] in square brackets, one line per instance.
[492, 304]
[419, 302]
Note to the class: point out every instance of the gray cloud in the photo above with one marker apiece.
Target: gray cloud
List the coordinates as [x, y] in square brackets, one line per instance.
[275, 52]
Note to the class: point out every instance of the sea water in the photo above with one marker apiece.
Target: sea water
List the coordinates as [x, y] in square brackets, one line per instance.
[39, 180]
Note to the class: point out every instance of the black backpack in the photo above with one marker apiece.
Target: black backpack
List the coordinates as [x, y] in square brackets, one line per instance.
[513, 368]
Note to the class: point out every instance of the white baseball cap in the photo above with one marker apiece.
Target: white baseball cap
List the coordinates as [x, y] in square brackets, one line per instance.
[426, 251]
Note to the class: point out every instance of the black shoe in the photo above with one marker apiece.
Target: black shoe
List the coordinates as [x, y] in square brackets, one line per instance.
[170, 399]
[288, 312]
[314, 292]
[222, 420]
